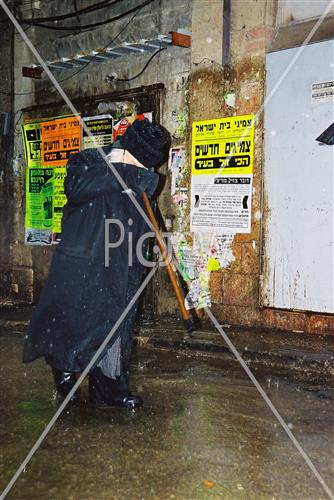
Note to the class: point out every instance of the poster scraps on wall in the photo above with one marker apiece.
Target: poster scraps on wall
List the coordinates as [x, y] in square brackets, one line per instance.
[199, 295]
[32, 143]
[101, 127]
[220, 252]
[180, 198]
[61, 137]
[186, 259]
[176, 164]
[37, 236]
[181, 124]
[192, 259]
[197, 255]
[222, 168]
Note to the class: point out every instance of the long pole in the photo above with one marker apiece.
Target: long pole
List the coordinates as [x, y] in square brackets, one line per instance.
[170, 270]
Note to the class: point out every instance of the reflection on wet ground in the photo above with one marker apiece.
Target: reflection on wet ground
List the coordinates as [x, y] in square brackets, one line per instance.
[203, 432]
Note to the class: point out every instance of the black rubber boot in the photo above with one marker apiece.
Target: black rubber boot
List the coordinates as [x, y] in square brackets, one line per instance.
[64, 381]
[104, 391]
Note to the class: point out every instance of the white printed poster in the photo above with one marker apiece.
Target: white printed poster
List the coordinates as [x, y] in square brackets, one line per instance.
[221, 204]
[323, 91]
[101, 128]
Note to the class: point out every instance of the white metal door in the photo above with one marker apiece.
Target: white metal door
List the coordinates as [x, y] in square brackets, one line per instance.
[298, 182]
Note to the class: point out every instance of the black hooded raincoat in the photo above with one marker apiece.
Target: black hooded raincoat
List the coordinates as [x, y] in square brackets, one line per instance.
[82, 298]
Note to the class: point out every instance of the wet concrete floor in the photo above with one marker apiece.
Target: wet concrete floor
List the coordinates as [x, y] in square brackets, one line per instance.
[203, 433]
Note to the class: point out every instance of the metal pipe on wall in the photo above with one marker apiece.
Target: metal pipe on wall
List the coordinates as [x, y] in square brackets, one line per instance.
[226, 33]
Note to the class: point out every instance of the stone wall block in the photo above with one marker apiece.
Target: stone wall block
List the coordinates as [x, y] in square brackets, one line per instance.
[216, 287]
[240, 290]
[235, 266]
[250, 257]
[283, 319]
[22, 280]
[320, 323]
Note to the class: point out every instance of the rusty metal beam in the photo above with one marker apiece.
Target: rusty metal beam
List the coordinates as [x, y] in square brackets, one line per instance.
[114, 96]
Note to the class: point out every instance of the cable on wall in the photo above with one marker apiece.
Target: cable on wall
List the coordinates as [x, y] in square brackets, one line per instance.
[94, 25]
[141, 72]
[82, 68]
[92, 8]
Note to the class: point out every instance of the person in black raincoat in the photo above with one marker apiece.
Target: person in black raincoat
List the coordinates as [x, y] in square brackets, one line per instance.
[83, 295]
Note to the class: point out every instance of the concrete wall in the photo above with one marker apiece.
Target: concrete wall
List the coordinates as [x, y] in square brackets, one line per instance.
[195, 84]
[7, 201]
[29, 266]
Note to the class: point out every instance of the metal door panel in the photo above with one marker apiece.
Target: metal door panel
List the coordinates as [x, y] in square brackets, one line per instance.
[298, 184]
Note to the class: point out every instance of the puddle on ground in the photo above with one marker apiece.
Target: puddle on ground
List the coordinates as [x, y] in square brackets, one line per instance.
[203, 432]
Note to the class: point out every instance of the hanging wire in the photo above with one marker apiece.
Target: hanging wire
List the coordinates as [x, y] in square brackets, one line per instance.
[92, 8]
[83, 67]
[142, 71]
[92, 25]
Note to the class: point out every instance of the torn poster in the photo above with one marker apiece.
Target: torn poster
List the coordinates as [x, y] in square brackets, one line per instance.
[199, 296]
[37, 236]
[221, 251]
[101, 127]
[222, 168]
[181, 124]
[180, 198]
[192, 259]
[186, 260]
[176, 163]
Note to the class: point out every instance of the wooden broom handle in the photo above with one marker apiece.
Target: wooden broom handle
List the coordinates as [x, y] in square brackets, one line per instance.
[171, 273]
